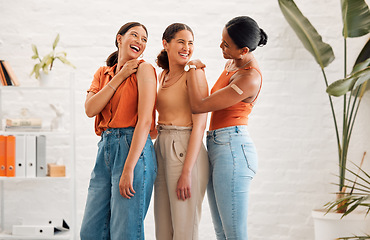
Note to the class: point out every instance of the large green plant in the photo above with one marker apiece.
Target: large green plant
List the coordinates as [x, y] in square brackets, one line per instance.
[356, 23]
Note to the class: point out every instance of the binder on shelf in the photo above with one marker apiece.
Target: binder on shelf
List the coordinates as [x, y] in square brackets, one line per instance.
[10, 72]
[10, 156]
[20, 156]
[41, 167]
[33, 230]
[30, 156]
[59, 224]
[2, 156]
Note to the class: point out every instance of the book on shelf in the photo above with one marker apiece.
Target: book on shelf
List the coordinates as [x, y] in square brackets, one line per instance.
[2, 77]
[23, 129]
[23, 122]
[11, 73]
[8, 78]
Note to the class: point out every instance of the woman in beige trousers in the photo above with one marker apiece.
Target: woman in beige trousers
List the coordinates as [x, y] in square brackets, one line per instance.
[182, 158]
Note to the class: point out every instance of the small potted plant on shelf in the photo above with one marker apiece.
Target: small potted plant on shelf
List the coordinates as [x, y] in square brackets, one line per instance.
[44, 66]
[356, 23]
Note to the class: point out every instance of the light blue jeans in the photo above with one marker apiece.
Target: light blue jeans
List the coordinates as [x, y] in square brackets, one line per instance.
[233, 164]
[108, 215]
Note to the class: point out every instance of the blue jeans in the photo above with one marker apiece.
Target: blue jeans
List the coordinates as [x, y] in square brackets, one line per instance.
[108, 215]
[233, 164]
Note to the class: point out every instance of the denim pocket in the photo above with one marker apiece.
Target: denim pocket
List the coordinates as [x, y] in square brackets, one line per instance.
[222, 139]
[154, 158]
[179, 150]
[250, 157]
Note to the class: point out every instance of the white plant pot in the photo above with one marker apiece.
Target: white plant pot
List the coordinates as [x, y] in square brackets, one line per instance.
[331, 226]
[46, 79]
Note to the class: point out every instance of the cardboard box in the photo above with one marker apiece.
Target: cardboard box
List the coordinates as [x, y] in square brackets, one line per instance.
[56, 170]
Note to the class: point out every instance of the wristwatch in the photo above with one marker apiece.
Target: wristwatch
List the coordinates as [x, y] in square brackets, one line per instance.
[188, 67]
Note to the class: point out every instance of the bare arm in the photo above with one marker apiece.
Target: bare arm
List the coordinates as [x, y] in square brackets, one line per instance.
[183, 189]
[146, 81]
[95, 102]
[244, 87]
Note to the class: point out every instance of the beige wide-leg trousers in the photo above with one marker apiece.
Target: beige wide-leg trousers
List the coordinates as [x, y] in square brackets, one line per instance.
[177, 219]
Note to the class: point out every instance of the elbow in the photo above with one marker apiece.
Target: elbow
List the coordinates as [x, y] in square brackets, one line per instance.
[195, 110]
[145, 123]
[90, 115]
[89, 112]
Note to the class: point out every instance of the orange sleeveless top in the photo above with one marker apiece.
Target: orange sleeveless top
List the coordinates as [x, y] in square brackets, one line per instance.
[121, 110]
[235, 115]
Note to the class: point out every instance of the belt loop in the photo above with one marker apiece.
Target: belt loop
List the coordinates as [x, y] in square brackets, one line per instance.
[214, 133]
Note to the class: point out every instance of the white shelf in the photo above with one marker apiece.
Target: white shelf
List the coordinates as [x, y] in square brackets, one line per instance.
[15, 179]
[64, 94]
[33, 132]
[61, 235]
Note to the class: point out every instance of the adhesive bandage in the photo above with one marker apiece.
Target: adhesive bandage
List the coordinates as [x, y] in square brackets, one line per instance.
[237, 89]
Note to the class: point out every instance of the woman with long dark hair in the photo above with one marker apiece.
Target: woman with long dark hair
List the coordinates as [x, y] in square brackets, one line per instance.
[231, 151]
[182, 158]
[122, 98]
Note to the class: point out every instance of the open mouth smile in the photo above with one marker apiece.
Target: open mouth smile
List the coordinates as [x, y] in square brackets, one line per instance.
[135, 48]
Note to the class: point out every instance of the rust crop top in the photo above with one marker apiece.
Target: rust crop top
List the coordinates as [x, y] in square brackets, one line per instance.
[234, 115]
[122, 109]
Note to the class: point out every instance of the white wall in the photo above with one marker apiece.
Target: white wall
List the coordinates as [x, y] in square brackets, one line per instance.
[291, 124]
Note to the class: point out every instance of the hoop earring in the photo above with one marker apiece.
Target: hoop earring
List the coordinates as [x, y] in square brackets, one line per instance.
[142, 55]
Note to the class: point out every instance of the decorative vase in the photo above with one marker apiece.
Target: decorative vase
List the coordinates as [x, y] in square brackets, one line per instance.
[46, 79]
[331, 226]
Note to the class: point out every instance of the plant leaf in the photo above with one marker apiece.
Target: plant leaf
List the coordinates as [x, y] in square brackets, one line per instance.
[356, 18]
[364, 54]
[311, 39]
[65, 61]
[56, 42]
[342, 86]
[34, 49]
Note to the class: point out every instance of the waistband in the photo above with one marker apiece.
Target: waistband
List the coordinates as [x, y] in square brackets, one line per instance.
[232, 129]
[162, 128]
[118, 131]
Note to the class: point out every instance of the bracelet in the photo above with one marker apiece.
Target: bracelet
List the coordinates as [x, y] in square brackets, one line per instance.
[111, 87]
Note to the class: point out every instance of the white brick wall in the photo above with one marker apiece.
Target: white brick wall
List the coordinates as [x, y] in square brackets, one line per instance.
[291, 124]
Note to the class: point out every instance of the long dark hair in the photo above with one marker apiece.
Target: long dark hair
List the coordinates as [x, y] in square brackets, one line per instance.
[112, 59]
[245, 32]
[168, 35]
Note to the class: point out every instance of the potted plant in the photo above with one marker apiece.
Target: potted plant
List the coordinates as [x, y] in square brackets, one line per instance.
[356, 23]
[45, 65]
[358, 196]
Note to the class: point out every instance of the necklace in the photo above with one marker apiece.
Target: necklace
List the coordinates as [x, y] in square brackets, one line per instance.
[228, 70]
[166, 79]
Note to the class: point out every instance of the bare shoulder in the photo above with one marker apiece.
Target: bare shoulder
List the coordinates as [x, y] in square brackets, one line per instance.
[250, 74]
[145, 66]
[146, 72]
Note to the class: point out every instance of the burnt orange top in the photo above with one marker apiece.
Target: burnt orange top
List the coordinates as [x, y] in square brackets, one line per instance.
[235, 115]
[121, 110]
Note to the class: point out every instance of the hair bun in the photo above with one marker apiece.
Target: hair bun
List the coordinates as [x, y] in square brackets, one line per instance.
[263, 39]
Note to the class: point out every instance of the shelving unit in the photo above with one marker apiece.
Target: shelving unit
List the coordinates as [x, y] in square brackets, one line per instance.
[53, 189]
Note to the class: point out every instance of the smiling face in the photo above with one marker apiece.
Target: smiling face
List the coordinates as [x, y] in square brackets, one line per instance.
[180, 48]
[229, 49]
[132, 44]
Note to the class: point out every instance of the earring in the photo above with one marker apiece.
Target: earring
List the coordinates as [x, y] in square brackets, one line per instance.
[142, 55]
